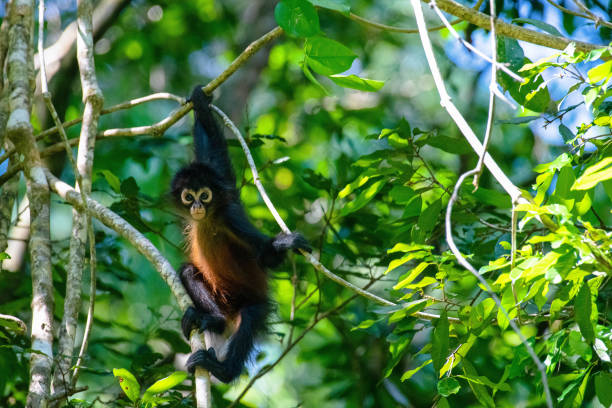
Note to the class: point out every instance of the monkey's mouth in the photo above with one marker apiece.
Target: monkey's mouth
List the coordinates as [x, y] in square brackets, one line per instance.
[198, 213]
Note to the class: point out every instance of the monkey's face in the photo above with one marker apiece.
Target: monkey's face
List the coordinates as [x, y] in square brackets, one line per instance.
[200, 191]
[197, 201]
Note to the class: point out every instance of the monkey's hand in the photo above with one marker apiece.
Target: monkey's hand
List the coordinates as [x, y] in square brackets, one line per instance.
[294, 240]
[195, 319]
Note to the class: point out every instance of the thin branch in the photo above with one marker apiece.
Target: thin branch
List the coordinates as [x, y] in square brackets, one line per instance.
[115, 108]
[482, 20]
[492, 59]
[592, 16]
[566, 10]
[492, 88]
[402, 30]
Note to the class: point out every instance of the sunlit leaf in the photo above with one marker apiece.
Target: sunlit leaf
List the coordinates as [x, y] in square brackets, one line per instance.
[164, 384]
[358, 83]
[582, 305]
[448, 386]
[328, 57]
[128, 383]
[439, 342]
[298, 18]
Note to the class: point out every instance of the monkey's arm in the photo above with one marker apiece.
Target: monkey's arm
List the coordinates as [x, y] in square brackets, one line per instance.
[210, 145]
[206, 315]
[270, 251]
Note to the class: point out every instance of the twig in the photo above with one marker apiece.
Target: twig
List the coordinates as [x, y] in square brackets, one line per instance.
[492, 88]
[82, 224]
[393, 29]
[475, 50]
[115, 108]
[510, 188]
[591, 16]
[566, 10]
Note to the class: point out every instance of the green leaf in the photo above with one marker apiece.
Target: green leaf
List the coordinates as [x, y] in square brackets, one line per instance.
[439, 342]
[129, 187]
[341, 6]
[540, 24]
[312, 79]
[582, 306]
[164, 385]
[112, 180]
[363, 198]
[298, 18]
[566, 134]
[328, 57]
[475, 382]
[448, 386]
[4, 255]
[316, 180]
[397, 349]
[428, 218]
[128, 383]
[603, 388]
[448, 144]
[355, 82]
[594, 174]
[533, 93]
[408, 374]
[411, 275]
[600, 72]
[517, 121]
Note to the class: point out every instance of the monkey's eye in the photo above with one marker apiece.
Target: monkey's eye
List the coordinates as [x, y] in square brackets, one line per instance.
[205, 195]
[187, 197]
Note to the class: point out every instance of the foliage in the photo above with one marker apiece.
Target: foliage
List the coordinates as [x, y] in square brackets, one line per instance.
[364, 168]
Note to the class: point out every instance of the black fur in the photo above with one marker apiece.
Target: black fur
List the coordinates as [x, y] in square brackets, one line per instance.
[225, 215]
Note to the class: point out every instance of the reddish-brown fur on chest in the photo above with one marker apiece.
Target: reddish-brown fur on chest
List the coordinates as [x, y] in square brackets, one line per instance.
[228, 267]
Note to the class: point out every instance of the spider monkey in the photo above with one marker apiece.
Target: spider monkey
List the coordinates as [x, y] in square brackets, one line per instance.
[226, 277]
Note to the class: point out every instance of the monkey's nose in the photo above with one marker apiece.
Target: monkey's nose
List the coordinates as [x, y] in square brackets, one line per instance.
[198, 212]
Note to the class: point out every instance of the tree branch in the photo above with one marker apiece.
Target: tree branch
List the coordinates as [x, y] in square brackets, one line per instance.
[20, 73]
[482, 20]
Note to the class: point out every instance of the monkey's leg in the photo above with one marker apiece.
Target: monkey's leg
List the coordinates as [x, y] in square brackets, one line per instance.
[206, 315]
[252, 320]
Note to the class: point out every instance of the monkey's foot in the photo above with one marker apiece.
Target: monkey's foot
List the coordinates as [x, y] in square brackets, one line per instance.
[293, 240]
[207, 359]
[195, 319]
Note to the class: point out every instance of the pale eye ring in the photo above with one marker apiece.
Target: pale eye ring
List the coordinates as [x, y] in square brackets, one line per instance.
[187, 197]
[206, 195]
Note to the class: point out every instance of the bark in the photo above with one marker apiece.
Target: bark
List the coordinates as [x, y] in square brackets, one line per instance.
[81, 222]
[20, 70]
